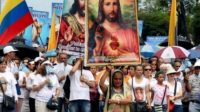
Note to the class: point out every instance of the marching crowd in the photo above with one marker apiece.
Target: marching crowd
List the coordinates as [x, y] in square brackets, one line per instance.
[43, 85]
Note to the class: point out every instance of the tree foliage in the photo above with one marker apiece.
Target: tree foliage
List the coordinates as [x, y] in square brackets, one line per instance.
[155, 24]
[196, 24]
[156, 18]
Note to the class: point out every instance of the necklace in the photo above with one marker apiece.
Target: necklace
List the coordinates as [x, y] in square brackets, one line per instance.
[117, 90]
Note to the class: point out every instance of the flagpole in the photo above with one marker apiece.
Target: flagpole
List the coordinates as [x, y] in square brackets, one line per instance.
[0, 6]
[176, 32]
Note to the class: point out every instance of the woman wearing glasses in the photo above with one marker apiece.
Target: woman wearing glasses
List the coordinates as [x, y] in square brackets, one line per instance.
[140, 91]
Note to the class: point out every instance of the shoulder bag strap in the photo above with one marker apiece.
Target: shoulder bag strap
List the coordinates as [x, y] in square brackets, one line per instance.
[110, 85]
[164, 95]
[133, 89]
[175, 87]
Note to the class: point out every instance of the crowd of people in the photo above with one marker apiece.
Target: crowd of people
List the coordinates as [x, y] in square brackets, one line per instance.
[155, 85]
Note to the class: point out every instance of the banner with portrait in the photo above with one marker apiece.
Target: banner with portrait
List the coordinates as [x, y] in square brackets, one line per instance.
[71, 36]
[112, 36]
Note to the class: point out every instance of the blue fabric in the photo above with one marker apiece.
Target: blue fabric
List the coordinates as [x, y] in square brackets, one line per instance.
[18, 88]
[79, 106]
[178, 108]
[61, 102]
[51, 53]
[101, 105]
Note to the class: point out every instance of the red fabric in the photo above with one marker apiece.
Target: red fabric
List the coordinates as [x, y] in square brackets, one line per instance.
[178, 52]
[159, 53]
[171, 106]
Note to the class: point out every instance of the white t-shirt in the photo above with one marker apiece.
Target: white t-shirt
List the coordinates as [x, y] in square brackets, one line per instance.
[152, 82]
[159, 94]
[11, 82]
[29, 84]
[61, 70]
[80, 90]
[12, 67]
[139, 88]
[45, 93]
[24, 91]
[178, 89]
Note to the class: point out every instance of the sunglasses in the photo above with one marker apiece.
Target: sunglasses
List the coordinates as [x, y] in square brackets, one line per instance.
[172, 74]
[197, 67]
[147, 69]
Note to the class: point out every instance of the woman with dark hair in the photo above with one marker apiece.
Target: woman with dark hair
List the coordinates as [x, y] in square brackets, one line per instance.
[118, 95]
[8, 83]
[32, 66]
[46, 85]
[140, 91]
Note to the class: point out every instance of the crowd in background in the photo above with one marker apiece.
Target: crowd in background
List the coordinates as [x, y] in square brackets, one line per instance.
[152, 86]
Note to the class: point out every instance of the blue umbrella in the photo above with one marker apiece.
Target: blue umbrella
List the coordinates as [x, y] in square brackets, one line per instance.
[194, 54]
[148, 50]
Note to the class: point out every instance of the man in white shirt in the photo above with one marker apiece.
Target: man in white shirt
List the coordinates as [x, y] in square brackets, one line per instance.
[62, 69]
[9, 56]
[80, 82]
[192, 85]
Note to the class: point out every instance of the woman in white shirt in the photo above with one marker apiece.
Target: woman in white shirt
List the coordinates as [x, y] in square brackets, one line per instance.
[10, 85]
[175, 89]
[140, 90]
[47, 85]
[29, 84]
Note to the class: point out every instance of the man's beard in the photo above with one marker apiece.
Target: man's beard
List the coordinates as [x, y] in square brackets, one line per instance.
[81, 12]
[112, 19]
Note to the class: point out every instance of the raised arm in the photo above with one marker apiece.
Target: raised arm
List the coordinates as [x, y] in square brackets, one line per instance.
[76, 66]
[147, 91]
[102, 81]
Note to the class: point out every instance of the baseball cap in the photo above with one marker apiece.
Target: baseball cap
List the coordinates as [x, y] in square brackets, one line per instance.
[8, 49]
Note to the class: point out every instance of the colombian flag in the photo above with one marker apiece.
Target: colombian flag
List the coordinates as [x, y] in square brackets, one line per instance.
[14, 18]
[172, 24]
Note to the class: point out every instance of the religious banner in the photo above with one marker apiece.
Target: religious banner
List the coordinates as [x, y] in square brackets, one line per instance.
[112, 36]
[40, 27]
[71, 36]
[37, 34]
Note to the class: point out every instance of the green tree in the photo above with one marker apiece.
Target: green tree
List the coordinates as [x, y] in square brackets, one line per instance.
[155, 23]
[196, 24]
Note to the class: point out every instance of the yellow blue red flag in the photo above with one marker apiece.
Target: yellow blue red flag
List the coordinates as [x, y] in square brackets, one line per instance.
[14, 18]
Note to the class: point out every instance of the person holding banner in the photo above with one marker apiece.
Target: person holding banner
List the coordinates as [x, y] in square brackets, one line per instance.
[112, 37]
[81, 81]
[118, 94]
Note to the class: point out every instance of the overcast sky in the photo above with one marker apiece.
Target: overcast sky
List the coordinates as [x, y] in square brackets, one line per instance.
[41, 5]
